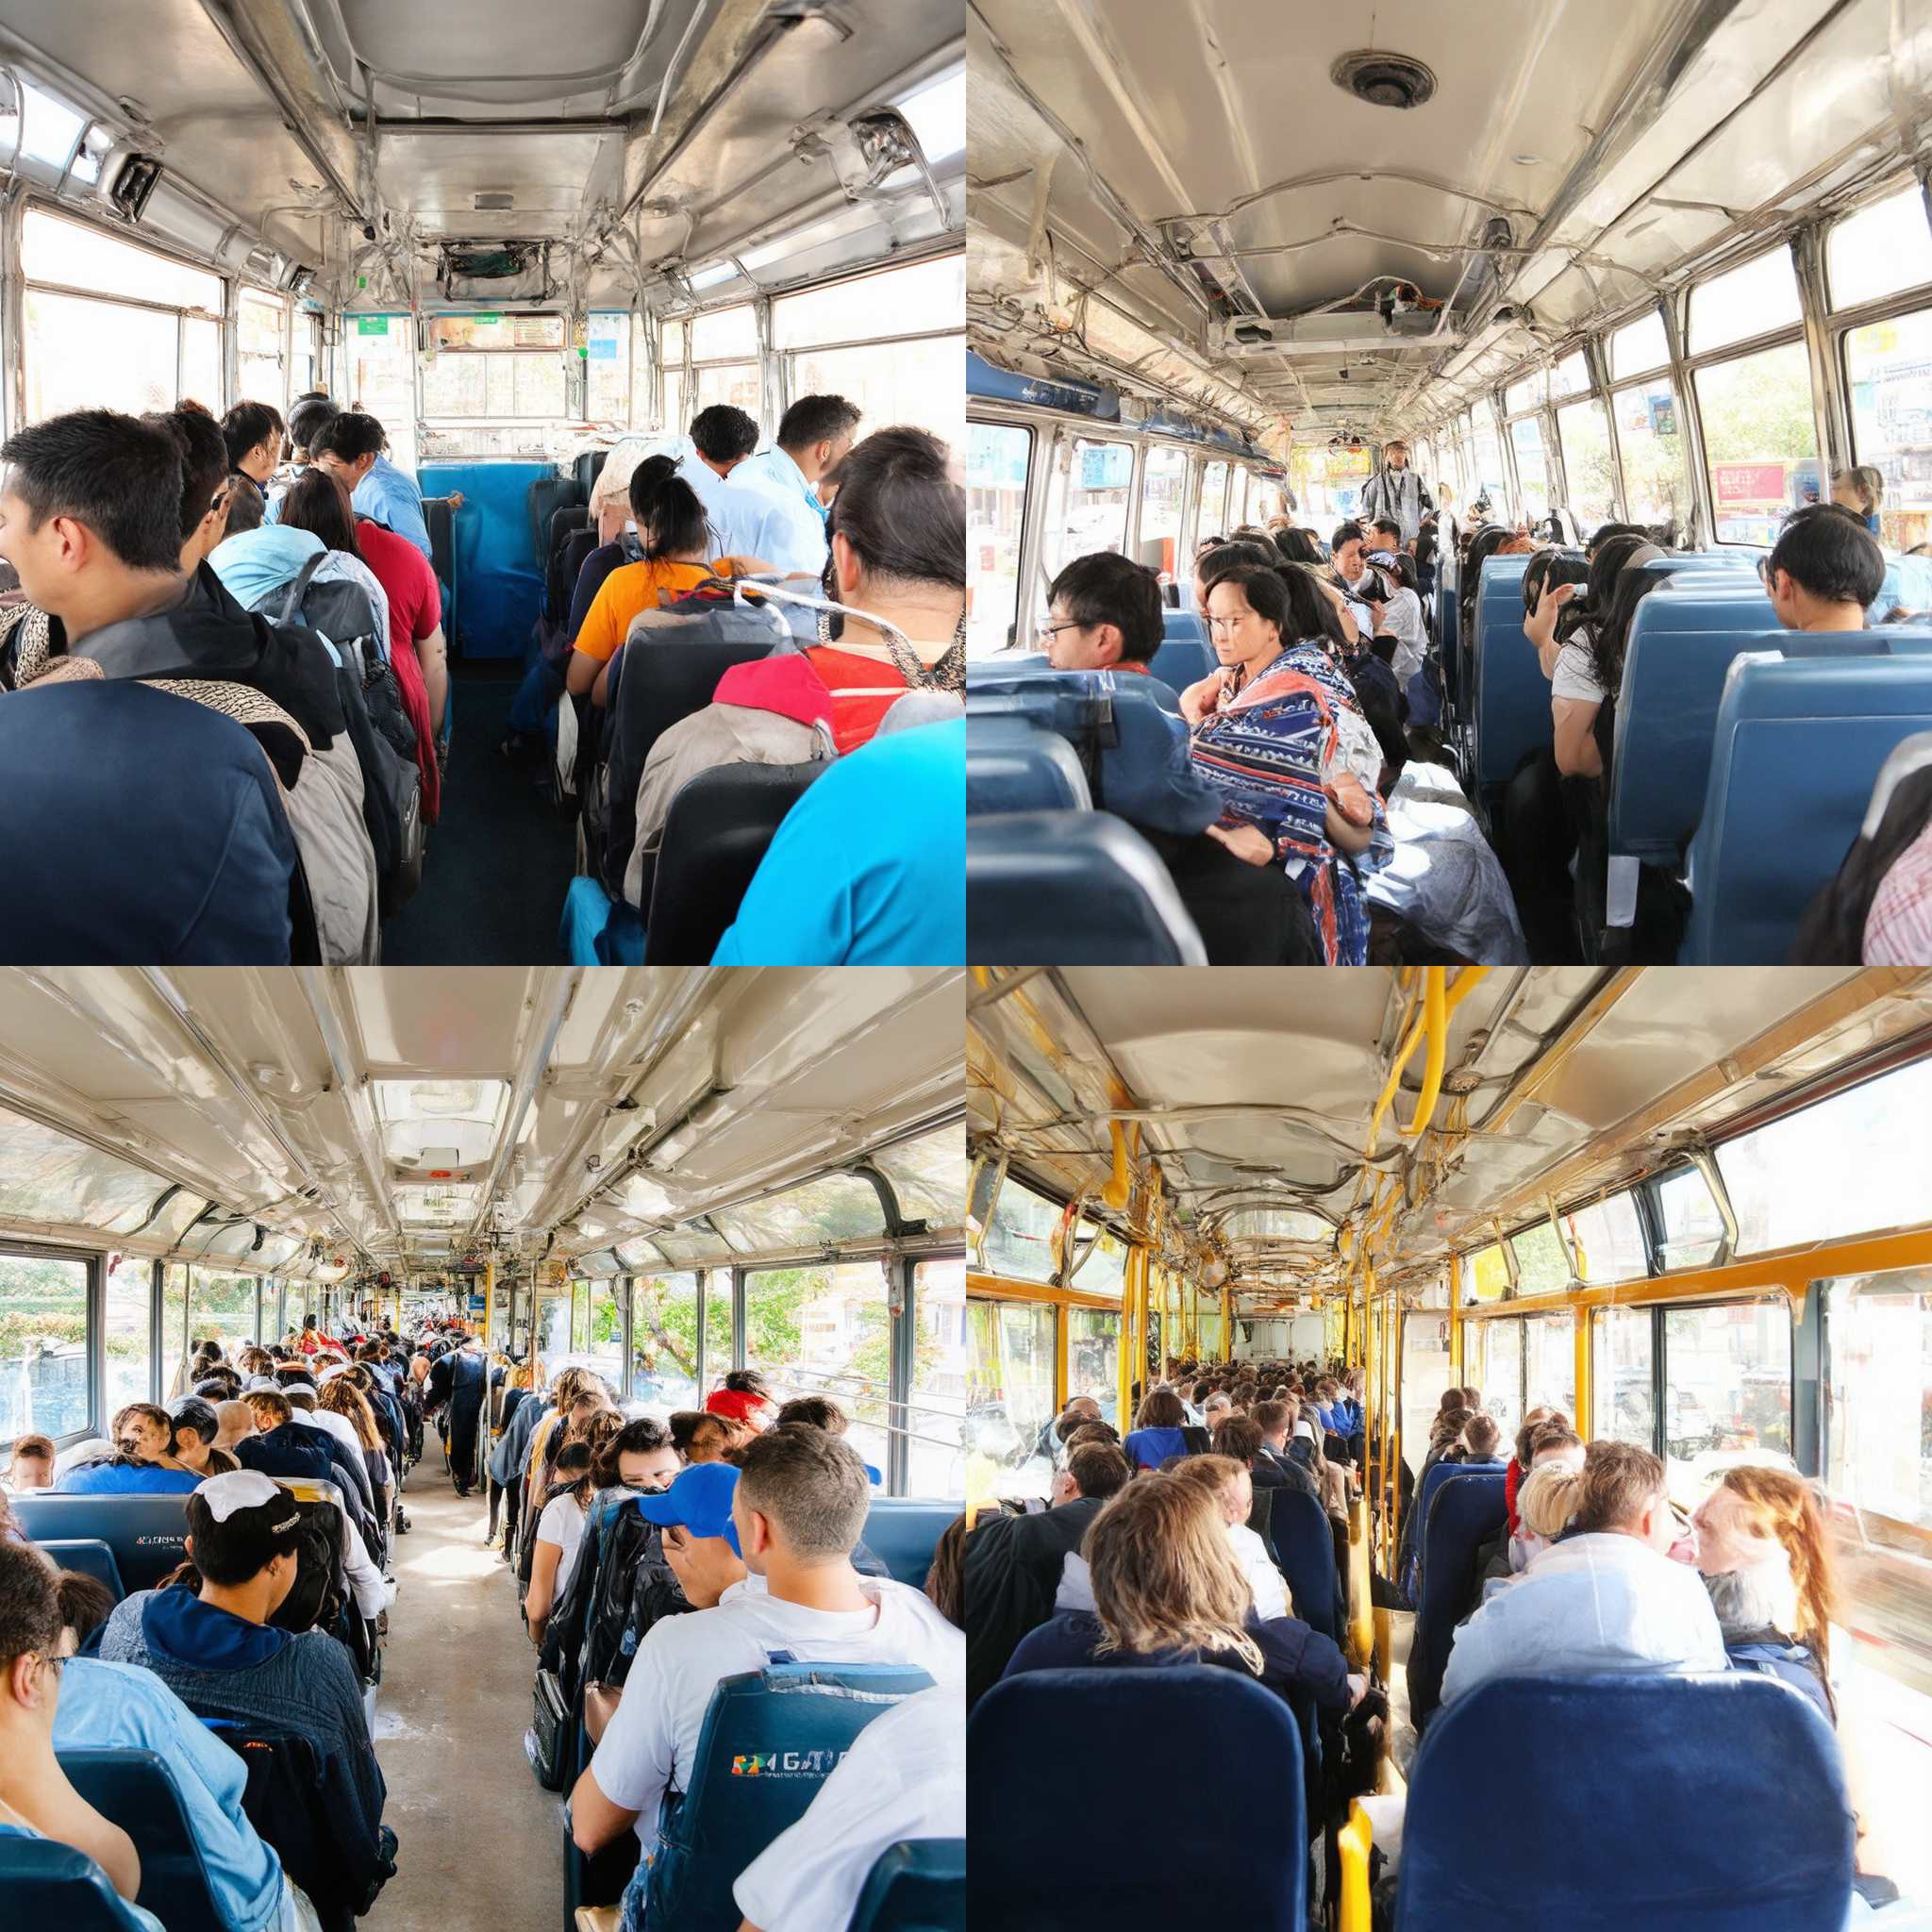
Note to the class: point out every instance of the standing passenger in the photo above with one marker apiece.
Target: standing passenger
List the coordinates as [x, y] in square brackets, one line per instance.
[812, 441]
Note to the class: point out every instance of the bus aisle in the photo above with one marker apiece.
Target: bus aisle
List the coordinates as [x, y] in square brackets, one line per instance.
[449, 1723]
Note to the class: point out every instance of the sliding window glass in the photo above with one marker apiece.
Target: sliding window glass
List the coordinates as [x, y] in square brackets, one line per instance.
[1009, 1398]
[1585, 431]
[43, 1346]
[942, 1376]
[1095, 513]
[1889, 379]
[1728, 1381]
[261, 373]
[1494, 1366]
[1761, 441]
[1093, 1358]
[220, 1308]
[1622, 1355]
[824, 1331]
[605, 1341]
[126, 1342]
[664, 1340]
[998, 458]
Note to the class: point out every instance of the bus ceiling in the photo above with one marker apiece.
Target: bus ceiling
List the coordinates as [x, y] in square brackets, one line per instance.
[1280, 1121]
[1284, 225]
[657, 140]
[392, 1119]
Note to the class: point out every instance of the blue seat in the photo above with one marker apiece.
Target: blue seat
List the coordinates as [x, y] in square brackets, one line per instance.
[902, 1532]
[1433, 1479]
[1509, 696]
[1072, 889]
[136, 1790]
[90, 1556]
[1674, 667]
[1304, 1547]
[1704, 1803]
[1248, 1831]
[793, 1720]
[147, 1535]
[1465, 1512]
[1187, 626]
[1184, 656]
[43, 1882]
[1013, 765]
[1798, 744]
[918, 1885]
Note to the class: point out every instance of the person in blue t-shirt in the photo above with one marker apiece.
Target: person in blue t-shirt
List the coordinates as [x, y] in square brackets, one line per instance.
[1159, 1430]
[146, 1465]
[869, 867]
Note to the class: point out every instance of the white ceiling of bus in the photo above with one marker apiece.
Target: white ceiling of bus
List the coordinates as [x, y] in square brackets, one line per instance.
[1291, 1064]
[468, 63]
[1651, 143]
[409, 1113]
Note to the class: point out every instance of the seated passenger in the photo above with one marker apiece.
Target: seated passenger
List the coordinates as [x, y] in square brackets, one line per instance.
[1604, 1598]
[1228, 1482]
[254, 433]
[36, 1799]
[147, 1464]
[1576, 640]
[347, 1470]
[1766, 1560]
[791, 1515]
[868, 867]
[1012, 1566]
[1547, 1497]
[1822, 571]
[30, 1465]
[814, 436]
[196, 1428]
[1275, 1468]
[1266, 735]
[1518, 1466]
[217, 1650]
[116, 1706]
[257, 561]
[236, 1420]
[1861, 490]
[904, 1779]
[340, 1401]
[561, 1524]
[1161, 1430]
[743, 1396]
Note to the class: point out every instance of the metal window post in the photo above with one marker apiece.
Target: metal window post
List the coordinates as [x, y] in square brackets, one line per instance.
[904, 1315]
[699, 1363]
[738, 1328]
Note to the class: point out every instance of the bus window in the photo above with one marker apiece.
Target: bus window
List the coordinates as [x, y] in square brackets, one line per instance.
[1213, 518]
[723, 353]
[381, 355]
[127, 1351]
[1622, 1350]
[1094, 1358]
[1494, 1366]
[1103, 1269]
[553, 1329]
[1424, 1377]
[1094, 516]
[935, 1462]
[1727, 1383]
[1878, 1445]
[606, 368]
[305, 365]
[831, 341]
[173, 1361]
[1490, 480]
[1761, 440]
[260, 321]
[718, 1356]
[1886, 366]
[664, 1340]
[928, 1177]
[1639, 347]
[672, 416]
[1570, 376]
[997, 464]
[43, 1346]
[1656, 475]
[220, 1308]
[1607, 1239]
[604, 1342]
[1009, 1395]
[1163, 484]
[1879, 249]
[1542, 1266]
[83, 354]
[1752, 300]
[1549, 1365]
[496, 368]
[1693, 1229]
[1839, 1168]
[824, 1331]
[1485, 1275]
[1019, 1240]
[1585, 431]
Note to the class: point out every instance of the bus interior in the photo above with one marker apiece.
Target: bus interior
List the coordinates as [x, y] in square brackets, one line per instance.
[1686, 1209]
[654, 1177]
[517, 247]
[1658, 265]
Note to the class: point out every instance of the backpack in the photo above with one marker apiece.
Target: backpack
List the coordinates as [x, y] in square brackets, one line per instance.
[379, 728]
[1832, 932]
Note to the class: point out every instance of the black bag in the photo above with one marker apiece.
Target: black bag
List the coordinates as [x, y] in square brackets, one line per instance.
[549, 1731]
[1832, 932]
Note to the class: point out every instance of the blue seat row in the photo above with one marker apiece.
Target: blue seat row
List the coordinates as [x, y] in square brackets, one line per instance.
[1460, 1513]
[1013, 764]
[1072, 889]
[146, 1536]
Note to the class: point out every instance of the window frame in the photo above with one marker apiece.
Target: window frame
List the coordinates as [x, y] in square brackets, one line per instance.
[95, 1292]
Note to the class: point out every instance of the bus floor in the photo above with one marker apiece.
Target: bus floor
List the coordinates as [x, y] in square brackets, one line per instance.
[479, 1844]
[499, 862]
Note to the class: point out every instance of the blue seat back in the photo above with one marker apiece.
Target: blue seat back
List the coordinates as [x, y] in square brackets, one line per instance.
[1674, 664]
[136, 1790]
[1072, 889]
[902, 1532]
[1622, 1832]
[43, 1882]
[1185, 656]
[88, 1556]
[1249, 1831]
[1465, 1512]
[769, 1740]
[1798, 743]
[1509, 696]
[918, 1885]
[147, 1535]
[1013, 765]
[1189, 627]
[1304, 1546]
[1433, 1479]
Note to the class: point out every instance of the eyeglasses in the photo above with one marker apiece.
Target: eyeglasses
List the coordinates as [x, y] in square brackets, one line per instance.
[1053, 631]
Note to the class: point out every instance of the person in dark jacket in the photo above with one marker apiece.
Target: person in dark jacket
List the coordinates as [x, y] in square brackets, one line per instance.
[458, 1379]
[1013, 1563]
[1274, 1467]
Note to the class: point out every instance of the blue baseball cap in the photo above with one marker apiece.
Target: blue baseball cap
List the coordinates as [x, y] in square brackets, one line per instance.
[699, 1501]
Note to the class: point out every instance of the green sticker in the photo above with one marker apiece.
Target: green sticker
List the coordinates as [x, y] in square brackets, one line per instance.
[486, 318]
[371, 325]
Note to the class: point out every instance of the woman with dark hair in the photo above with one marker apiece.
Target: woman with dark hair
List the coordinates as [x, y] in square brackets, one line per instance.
[318, 501]
[204, 478]
[1278, 731]
[1298, 547]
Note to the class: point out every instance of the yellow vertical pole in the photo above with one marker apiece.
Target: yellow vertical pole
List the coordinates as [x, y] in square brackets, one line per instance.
[1227, 1325]
[1125, 1365]
[1062, 1344]
[1580, 1421]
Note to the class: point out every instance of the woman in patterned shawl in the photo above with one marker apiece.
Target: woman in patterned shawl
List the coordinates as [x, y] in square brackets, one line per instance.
[1278, 731]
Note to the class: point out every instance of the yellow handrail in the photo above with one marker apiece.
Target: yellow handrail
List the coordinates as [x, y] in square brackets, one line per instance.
[1436, 1026]
[1354, 1841]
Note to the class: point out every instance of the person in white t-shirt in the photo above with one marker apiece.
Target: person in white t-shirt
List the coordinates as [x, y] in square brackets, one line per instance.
[559, 1530]
[790, 1515]
[904, 1779]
